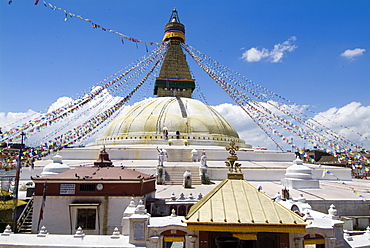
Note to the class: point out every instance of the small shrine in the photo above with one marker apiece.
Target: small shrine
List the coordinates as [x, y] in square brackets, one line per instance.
[56, 167]
[299, 176]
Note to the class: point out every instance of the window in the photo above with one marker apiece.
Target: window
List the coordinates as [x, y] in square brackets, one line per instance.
[87, 187]
[86, 218]
[86, 215]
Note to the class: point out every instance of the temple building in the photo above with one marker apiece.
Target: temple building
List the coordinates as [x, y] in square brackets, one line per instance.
[89, 197]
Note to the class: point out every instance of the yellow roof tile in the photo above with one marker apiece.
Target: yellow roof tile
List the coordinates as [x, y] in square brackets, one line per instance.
[235, 204]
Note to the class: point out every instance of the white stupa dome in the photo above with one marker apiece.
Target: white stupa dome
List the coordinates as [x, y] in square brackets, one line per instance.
[298, 170]
[299, 176]
[196, 122]
[56, 167]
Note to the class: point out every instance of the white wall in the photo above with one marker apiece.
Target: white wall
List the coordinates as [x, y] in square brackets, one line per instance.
[57, 215]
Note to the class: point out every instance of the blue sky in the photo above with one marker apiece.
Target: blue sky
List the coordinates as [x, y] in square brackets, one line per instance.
[323, 47]
[43, 57]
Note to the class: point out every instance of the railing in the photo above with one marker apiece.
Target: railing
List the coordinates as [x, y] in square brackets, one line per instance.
[24, 215]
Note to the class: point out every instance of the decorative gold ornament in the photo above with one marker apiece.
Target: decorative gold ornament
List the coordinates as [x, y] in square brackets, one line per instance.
[233, 167]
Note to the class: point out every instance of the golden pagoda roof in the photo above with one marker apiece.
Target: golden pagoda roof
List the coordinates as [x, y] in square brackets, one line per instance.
[237, 206]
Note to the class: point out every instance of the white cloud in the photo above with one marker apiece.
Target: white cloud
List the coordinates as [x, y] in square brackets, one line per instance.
[11, 119]
[255, 55]
[354, 116]
[59, 103]
[275, 55]
[351, 54]
[347, 121]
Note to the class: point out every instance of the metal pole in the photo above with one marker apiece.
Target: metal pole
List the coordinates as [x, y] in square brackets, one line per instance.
[16, 184]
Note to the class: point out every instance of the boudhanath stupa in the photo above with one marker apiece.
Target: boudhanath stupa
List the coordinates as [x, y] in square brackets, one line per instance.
[179, 124]
[183, 128]
[173, 121]
[182, 137]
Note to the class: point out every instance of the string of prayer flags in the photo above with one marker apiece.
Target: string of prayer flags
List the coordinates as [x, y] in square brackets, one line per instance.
[97, 26]
[46, 120]
[99, 106]
[262, 94]
[274, 114]
[56, 141]
[325, 171]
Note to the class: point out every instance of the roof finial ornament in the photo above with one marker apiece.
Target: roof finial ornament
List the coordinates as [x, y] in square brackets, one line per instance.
[232, 148]
[234, 168]
[103, 160]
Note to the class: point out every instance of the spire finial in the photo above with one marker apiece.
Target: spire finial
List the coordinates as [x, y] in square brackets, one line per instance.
[174, 16]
